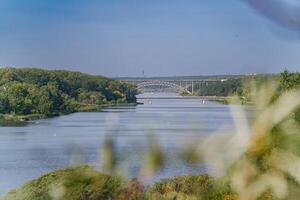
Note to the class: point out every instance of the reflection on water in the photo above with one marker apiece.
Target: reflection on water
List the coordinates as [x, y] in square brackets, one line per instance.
[29, 151]
[12, 123]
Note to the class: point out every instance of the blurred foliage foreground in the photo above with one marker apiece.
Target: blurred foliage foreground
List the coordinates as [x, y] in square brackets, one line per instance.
[256, 160]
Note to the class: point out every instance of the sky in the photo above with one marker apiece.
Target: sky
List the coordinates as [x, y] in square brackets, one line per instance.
[160, 37]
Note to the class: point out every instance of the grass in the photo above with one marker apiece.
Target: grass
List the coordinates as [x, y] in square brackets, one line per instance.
[84, 182]
[69, 184]
[192, 187]
[18, 120]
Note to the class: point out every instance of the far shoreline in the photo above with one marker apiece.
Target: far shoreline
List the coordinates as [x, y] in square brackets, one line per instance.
[21, 120]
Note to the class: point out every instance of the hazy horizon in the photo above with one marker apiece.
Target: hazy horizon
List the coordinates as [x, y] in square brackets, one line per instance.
[151, 76]
[160, 37]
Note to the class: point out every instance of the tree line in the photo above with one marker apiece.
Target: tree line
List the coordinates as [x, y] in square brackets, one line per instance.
[27, 91]
[289, 81]
[240, 85]
[224, 87]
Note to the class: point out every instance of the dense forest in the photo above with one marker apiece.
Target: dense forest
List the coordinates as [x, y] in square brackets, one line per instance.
[28, 91]
[225, 87]
[241, 85]
[289, 80]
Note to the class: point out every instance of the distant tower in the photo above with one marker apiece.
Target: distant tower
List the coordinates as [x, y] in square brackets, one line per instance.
[143, 72]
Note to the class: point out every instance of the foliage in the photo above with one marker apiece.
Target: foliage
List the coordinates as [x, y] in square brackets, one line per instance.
[83, 182]
[69, 184]
[260, 161]
[230, 86]
[193, 187]
[290, 81]
[28, 91]
[224, 87]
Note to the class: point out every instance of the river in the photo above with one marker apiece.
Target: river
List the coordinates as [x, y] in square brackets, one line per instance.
[42, 146]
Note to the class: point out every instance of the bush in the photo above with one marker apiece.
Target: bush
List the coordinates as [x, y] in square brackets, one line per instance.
[69, 184]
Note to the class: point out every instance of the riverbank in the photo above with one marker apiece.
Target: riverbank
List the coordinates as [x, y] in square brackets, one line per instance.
[27, 94]
[19, 120]
[226, 100]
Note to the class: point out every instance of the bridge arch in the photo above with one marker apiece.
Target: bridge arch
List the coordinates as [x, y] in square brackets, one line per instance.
[161, 84]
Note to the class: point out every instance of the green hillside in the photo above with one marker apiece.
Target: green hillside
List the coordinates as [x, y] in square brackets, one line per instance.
[37, 92]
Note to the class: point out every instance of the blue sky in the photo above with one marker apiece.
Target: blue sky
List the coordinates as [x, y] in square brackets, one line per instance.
[161, 37]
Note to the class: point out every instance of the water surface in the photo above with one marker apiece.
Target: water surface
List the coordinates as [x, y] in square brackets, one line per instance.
[45, 145]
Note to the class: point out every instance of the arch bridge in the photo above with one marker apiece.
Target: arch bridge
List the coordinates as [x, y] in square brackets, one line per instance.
[154, 85]
[176, 84]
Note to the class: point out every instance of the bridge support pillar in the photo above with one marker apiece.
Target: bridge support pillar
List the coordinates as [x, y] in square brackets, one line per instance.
[192, 87]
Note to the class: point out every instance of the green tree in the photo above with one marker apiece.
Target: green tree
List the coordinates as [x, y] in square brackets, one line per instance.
[91, 97]
[36, 91]
[4, 103]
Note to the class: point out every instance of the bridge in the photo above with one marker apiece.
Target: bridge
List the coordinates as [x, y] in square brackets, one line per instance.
[155, 85]
[179, 84]
[208, 98]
